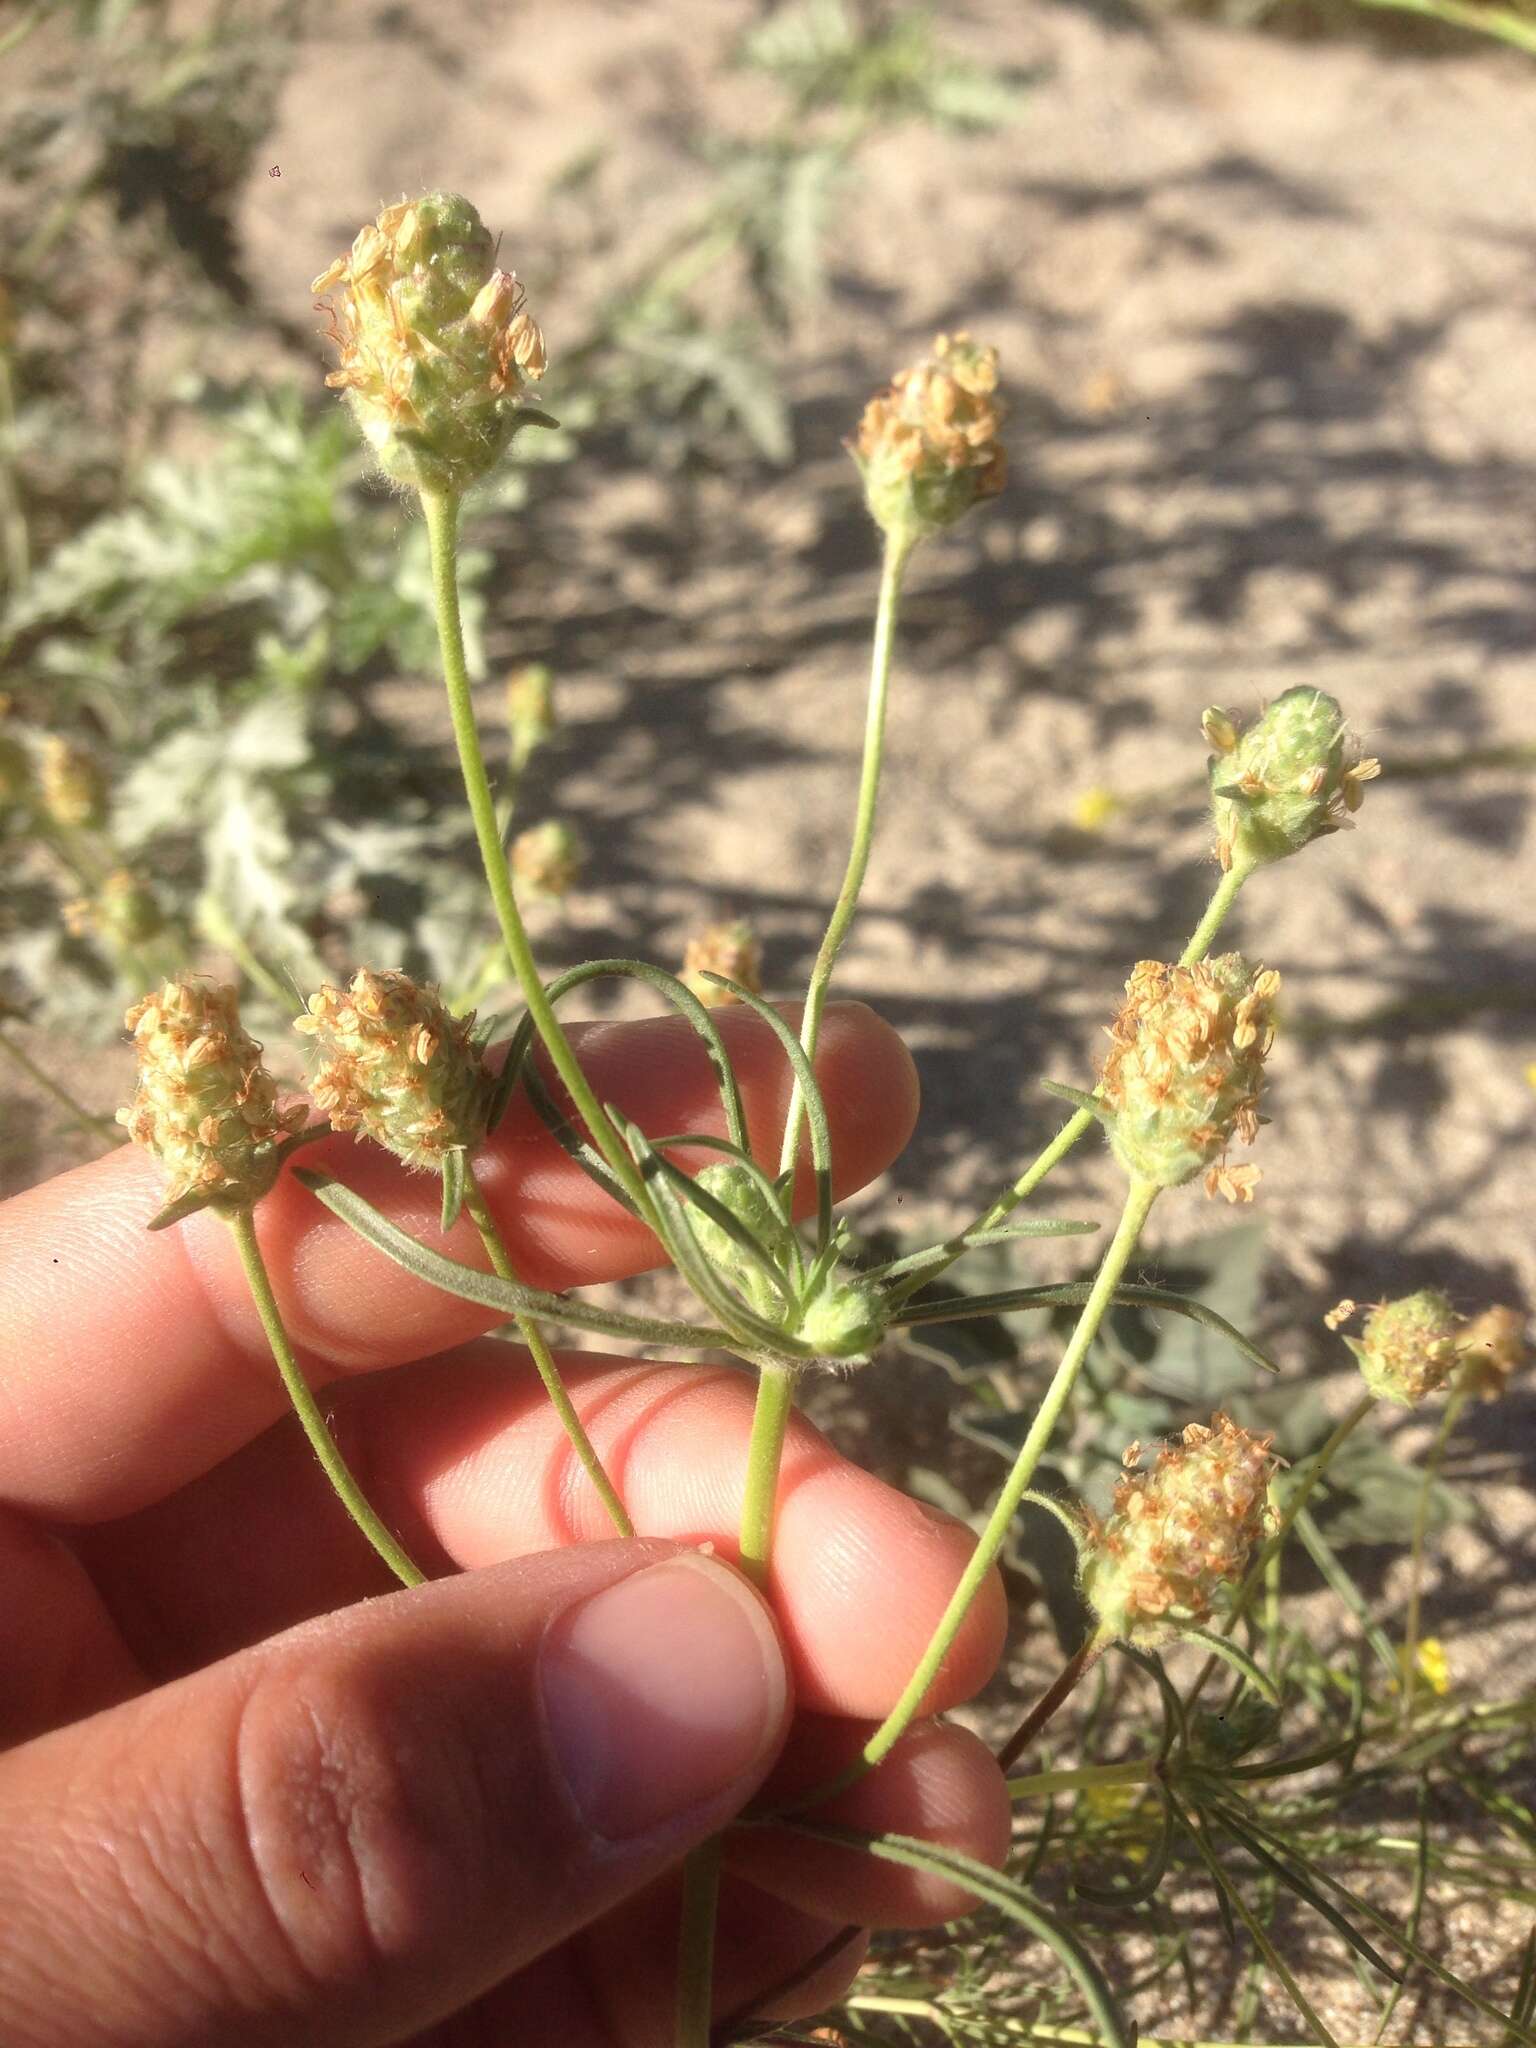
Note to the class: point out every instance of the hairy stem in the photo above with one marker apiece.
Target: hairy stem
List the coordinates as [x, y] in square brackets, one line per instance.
[1055, 1695]
[696, 1945]
[501, 1260]
[898, 549]
[441, 510]
[305, 1406]
[1117, 1256]
[770, 1419]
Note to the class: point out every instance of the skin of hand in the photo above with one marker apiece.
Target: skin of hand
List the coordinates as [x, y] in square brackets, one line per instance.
[253, 1793]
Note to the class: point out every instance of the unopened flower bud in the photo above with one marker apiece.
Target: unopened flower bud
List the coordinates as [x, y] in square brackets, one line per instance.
[1292, 777]
[1409, 1348]
[547, 860]
[928, 448]
[530, 711]
[1493, 1349]
[205, 1104]
[436, 350]
[1177, 1534]
[846, 1320]
[392, 1061]
[127, 909]
[74, 790]
[1185, 1069]
[733, 950]
[743, 1194]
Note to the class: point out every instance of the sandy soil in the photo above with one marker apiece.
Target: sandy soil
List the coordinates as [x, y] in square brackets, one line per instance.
[1267, 314]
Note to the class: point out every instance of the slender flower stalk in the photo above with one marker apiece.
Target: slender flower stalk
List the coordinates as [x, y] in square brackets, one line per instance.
[1117, 1257]
[899, 543]
[1436, 1453]
[305, 1406]
[441, 510]
[501, 1260]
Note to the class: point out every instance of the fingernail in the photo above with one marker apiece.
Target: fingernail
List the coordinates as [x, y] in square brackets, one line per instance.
[663, 1692]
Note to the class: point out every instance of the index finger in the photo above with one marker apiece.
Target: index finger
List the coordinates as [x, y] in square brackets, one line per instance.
[133, 1361]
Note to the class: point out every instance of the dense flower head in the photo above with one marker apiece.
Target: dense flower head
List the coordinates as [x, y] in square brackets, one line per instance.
[74, 791]
[928, 447]
[205, 1104]
[436, 349]
[547, 860]
[1493, 1349]
[733, 950]
[1178, 1533]
[1409, 1348]
[1295, 774]
[846, 1319]
[391, 1060]
[1185, 1068]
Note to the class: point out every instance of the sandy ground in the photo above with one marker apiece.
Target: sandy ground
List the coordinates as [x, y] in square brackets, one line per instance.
[1267, 313]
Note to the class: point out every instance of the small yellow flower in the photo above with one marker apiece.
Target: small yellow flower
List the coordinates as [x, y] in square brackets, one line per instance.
[1094, 808]
[1434, 1666]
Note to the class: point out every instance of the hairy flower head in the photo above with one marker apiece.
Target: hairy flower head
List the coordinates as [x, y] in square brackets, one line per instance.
[1185, 1069]
[391, 1060]
[1410, 1347]
[435, 347]
[733, 950]
[547, 860]
[74, 791]
[205, 1104]
[1178, 1533]
[1293, 776]
[928, 447]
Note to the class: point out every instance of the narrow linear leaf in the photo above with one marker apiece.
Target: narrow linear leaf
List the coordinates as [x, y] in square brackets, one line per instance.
[997, 1891]
[1230, 1653]
[453, 1188]
[1296, 1879]
[1071, 1295]
[978, 1240]
[488, 1291]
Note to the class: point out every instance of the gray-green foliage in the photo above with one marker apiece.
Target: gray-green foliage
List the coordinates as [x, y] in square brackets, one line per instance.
[218, 639]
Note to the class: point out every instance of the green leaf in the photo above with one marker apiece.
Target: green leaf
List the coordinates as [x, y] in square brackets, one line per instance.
[455, 1179]
[1073, 1294]
[995, 1890]
[1238, 1658]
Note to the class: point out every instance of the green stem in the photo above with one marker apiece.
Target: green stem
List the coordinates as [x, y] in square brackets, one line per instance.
[898, 550]
[305, 1406]
[701, 1870]
[1222, 899]
[1301, 1493]
[501, 1259]
[1044, 1783]
[770, 1418]
[95, 1126]
[1117, 1256]
[696, 1945]
[1448, 1421]
[441, 510]
[1223, 896]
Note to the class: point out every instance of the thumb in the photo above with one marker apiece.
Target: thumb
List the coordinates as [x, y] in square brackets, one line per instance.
[354, 1829]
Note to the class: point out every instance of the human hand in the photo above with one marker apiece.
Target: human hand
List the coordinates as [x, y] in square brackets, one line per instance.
[245, 1801]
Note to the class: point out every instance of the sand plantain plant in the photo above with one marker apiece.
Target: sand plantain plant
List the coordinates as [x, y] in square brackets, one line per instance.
[439, 358]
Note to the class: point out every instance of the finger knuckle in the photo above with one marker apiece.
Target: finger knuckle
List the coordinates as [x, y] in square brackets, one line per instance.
[365, 1824]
